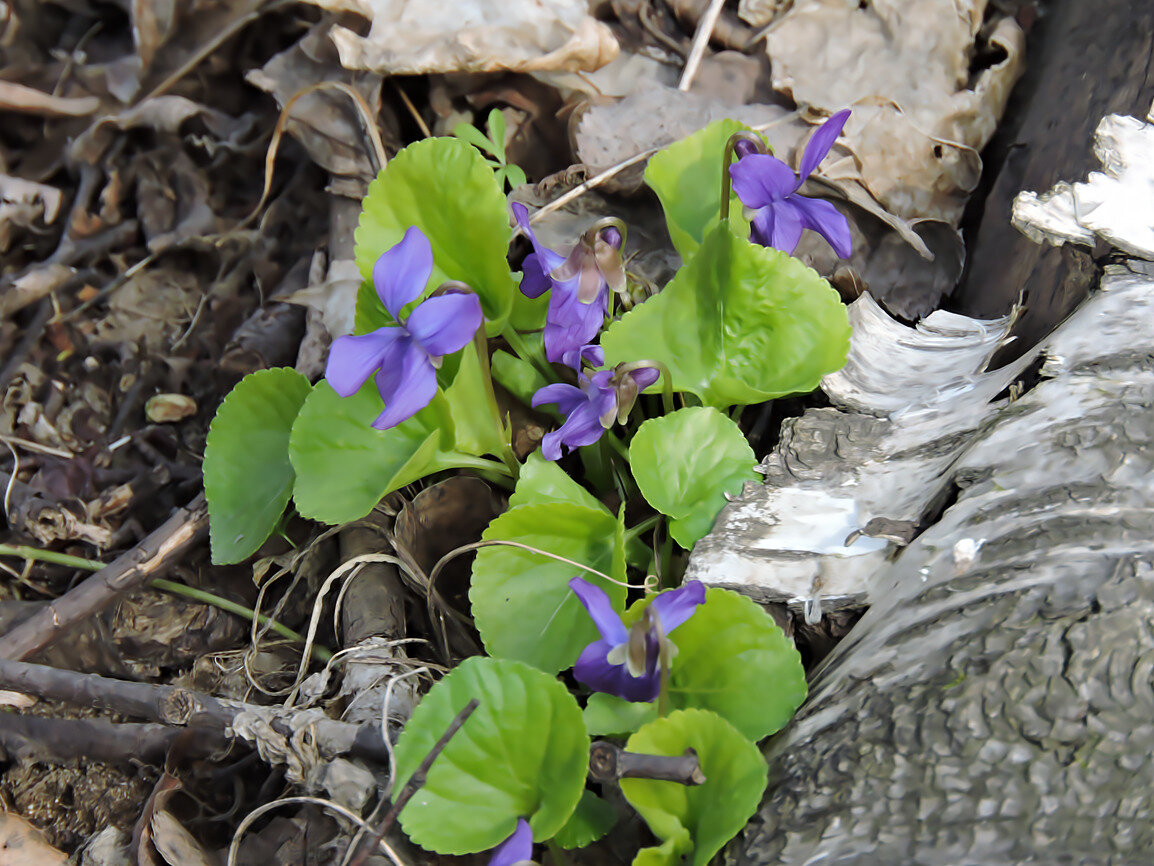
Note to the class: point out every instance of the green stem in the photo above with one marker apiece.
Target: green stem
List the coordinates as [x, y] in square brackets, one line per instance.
[517, 344]
[481, 464]
[617, 445]
[643, 526]
[35, 555]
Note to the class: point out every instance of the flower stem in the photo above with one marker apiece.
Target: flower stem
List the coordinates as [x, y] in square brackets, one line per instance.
[35, 555]
[644, 526]
[525, 353]
[504, 430]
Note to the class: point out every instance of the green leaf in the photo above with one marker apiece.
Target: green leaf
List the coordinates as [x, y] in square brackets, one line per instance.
[468, 132]
[734, 659]
[344, 466]
[519, 378]
[247, 475]
[444, 187]
[609, 715]
[523, 753]
[544, 481]
[529, 313]
[686, 176]
[593, 819]
[515, 175]
[685, 463]
[476, 422]
[496, 126]
[521, 601]
[739, 324]
[712, 813]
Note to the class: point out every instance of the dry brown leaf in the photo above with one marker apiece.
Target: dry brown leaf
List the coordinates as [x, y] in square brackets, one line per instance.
[21, 844]
[23, 203]
[325, 122]
[152, 25]
[175, 844]
[28, 100]
[904, 67]
[33, 286]
[415, 37]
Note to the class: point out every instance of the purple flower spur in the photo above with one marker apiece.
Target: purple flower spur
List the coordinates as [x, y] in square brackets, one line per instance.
[629, 662]
[769, 188]
[405, 356]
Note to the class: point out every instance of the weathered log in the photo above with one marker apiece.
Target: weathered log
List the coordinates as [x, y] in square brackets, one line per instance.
[994, 705]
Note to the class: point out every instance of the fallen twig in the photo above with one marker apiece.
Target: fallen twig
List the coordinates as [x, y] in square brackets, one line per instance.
[609, 763]
[172, 705]
[127, 572]
[417, 779]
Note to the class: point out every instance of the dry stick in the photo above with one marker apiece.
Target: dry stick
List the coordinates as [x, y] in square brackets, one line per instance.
[594, 181]
[608, 763]
[60, 741]
[127, 572]
[700, 43]
[172, 705]
[417, 779]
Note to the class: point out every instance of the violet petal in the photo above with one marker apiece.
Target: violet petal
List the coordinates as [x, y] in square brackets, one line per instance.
[567, 397]
[759, 179]
[825, 219]
[517, 848]
[406, 386]
[600, 608]
[534, 281]
[401, 272]
[445, 323]
[594, 670]
[675, 606]
[820, 143]
[645, 376]
[786, 226]
[353, 359]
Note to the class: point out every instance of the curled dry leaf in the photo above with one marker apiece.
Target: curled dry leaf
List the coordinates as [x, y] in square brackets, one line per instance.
[324, 121]
[21, 844]
[410, 37]
[24, 203]
[29, 100]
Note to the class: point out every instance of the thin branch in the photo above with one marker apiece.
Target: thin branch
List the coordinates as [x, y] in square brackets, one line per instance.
[700, 43]
[609, 762]
[417, 779]
[127, 572]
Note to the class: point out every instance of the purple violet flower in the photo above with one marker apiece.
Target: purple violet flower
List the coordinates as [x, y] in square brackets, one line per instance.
[629, 662]
[593, 405]
[518, 848]
[580, 282]
[589, 409]
[769, 187]
[404, 356]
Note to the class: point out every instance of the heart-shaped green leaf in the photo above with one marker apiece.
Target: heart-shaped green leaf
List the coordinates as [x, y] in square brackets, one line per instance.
[685, 463]
[734, 659]
[344, 466]
[544, 481]
[523, 753]
[592, 819]
[739, 324]
[445, 188]
[712, 813]
[686, 176]
[610, 715]
[247, 475]
[521, 601]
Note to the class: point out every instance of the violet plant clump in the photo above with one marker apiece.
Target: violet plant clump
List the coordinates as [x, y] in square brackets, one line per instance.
[618, 491]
